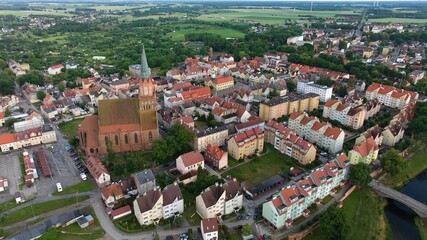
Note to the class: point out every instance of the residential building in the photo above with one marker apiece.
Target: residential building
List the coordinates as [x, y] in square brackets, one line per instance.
[344, 113]
[144, 181]
[98, 171]
[416, 75]
[246, 143]
[220, 82]
[277, 107]
[214, 136]
[320, 133]
[54, 70]
[49, 111]
[173, 202]
[112, 194]
[253, 122]
[374, 132]
[220, 199]
[392, 134]
[189, 162]
[305, 86]
[129, 124]
[390, 96]
[287, 142]
[148, 208]
[215, 157]
[294, 200]
[27, 138]
[364, 152]
[209, 228]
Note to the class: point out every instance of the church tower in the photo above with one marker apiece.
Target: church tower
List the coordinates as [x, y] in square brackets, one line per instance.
[145, 70]
[147, 105]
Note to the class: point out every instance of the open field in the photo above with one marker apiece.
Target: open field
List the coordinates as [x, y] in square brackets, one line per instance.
[70, 128]
[266, 16]
[178, 35]
[397, 20]
[83, 186]
[416, 165]
[39, 208]
[28, 13]
[262, 167]
[363, 211]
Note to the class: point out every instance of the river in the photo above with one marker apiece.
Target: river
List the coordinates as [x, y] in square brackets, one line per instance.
[400, 217]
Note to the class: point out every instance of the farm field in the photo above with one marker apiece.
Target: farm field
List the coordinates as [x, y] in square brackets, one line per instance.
[28, 13]
[397, 20]
[266, 16]
[178, 35]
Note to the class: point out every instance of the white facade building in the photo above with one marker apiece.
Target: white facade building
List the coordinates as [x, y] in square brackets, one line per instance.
[305, 86]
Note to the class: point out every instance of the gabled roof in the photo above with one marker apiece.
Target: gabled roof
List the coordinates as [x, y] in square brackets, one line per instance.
[191, 158]
[209, 225]
[148, 200]
[212, 194]
[366, 147]
[171, 193]
[113, 190]
[333, 132]
[95, 167]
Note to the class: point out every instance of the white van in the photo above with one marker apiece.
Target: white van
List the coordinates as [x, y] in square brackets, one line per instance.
[59, 187]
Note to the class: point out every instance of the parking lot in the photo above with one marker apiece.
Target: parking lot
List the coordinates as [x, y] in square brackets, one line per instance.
[11, 169]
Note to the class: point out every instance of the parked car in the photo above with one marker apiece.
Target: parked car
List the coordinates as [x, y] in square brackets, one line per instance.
[83, 176]
[238, 227]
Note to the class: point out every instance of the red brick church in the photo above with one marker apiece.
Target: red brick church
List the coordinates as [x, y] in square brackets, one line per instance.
[128, 124]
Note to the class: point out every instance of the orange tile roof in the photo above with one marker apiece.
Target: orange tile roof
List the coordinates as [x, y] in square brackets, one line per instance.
[330, 102]
[333, 132]
[366, 147]
[7, 138]
[191, 158]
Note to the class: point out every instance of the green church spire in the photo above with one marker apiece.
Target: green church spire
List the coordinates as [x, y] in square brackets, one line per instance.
[145, 70]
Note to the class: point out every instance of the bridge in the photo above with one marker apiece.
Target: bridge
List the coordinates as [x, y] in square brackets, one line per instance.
[419, 208]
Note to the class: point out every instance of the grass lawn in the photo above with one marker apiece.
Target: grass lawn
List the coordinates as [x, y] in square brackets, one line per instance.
[200, 124]
[7, 205]
[397, 20]
[74, 232]
[39, 208]
[326, 199]
[363, 210]
[83, 186]
[191, 215]
[130, 224]
[416, 165]
[178, 35]
[70, 128]
[262, 167]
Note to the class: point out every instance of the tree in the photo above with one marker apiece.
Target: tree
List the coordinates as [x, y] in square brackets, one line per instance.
[291, 86]
[246, 230]
[392, 162]
[32, 77]
[41, 95]
[333, 223]
[51, 234]
[360, 174]
[61, 87]
[342, 91]
[176, 143]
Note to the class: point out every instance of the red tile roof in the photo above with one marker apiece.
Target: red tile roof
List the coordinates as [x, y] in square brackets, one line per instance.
[7, 138]
[191, 158]
[209, 225]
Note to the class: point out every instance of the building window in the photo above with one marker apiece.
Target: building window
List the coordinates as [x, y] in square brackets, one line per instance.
[136, 137]
[106, 140]
[116, 139]
[126, 139]
[150, 136]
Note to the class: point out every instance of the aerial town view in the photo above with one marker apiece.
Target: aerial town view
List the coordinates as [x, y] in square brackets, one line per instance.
[213, 120]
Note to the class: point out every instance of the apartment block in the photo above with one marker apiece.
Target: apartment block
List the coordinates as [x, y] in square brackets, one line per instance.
[277, 107]
[294, 200]
[246, 143]
[320, 133]
[305, 86]
[344, 113]
[390, 96]
[287, 142]
[364, 152]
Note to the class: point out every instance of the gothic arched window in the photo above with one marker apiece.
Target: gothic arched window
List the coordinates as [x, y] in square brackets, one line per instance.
[136, 137]
[116, 139]
[126, 139]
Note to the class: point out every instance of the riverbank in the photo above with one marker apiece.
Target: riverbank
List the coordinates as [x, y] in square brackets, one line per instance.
[364, 212]
[422, 227]
[417, 163]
